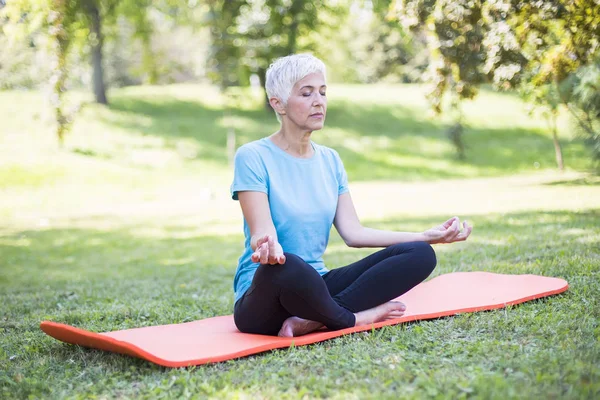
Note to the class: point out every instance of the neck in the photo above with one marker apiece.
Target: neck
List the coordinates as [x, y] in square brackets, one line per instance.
[294, 143]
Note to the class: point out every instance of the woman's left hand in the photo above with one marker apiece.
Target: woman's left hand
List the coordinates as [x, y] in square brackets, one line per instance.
[448, 232]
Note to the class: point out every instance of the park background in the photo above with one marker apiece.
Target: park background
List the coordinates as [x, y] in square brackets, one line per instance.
[118, 122]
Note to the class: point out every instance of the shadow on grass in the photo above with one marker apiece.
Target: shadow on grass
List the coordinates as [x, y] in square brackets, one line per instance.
[376, 142]
[587, 181]
[174, 119]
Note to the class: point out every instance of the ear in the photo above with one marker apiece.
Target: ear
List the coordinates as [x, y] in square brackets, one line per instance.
[277, 105]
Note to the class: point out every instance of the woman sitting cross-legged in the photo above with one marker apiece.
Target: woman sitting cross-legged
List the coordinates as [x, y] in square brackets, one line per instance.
[291, 190]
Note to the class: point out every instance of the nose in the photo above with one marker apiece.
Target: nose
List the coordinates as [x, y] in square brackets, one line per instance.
[319, 99]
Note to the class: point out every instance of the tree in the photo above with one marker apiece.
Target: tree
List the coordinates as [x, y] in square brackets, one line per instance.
[561, 41]
[85, 23]
[534, 46]
[277, 28]
[69, 25]
[468, 47]
[225, 49]
[90, 12]
[57, 19]
[382, 48]
[581, 93]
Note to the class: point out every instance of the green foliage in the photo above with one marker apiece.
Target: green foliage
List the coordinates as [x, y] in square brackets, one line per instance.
[58, 21]
[275, 28]
[558, 38]
[581, 92]
[469, 45]
[27, 21]
[69, 26]
[453, 33]
[223, 66]
[21, 64]
[531, 45]
[382, 49]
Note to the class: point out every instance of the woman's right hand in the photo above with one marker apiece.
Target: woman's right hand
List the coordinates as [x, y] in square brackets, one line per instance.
[268, 251]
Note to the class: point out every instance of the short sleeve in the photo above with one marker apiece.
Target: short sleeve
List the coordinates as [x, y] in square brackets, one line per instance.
[342, 177]
[249, 173]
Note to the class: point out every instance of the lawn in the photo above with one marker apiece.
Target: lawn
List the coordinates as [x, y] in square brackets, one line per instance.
[130, 225]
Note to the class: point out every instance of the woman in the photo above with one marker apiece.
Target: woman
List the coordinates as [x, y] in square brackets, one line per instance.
[291, 190]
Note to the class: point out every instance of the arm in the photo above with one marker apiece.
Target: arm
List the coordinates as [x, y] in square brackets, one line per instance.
[355, 235]
[263, 236]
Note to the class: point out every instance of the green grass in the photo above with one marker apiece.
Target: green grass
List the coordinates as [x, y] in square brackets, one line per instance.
[118, 278]
[130, 225]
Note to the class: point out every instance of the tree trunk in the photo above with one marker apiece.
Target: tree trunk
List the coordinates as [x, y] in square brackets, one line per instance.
[294, 12]
[61, 43]
[98, 72]
[455, 134]
[557, 147]
[151, 72]
[262, 78]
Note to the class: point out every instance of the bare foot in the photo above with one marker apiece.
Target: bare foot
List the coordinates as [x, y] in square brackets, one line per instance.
[389, 310]
[295, 326]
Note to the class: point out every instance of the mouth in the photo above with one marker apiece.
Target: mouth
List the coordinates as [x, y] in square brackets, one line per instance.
[317, 115]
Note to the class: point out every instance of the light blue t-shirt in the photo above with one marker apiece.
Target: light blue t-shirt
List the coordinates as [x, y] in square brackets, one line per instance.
[303, 195]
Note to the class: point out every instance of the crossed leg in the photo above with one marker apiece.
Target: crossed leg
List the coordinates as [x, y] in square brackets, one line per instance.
[293, 299]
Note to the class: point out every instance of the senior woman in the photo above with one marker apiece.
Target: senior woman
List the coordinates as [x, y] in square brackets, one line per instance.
[291, 190]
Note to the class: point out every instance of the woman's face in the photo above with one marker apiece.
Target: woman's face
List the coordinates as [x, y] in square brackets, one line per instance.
[307, 104]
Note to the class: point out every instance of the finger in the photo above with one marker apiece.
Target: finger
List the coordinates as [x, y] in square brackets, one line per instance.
[450, 231]
[256, 255]
[465, 233]
[264, 253]
[448, 223]
[259, 243]
[467, 229]
[470, 229]
[281, 259]
[456, 224]
[262, 240]
[456, 232]
[272, 251]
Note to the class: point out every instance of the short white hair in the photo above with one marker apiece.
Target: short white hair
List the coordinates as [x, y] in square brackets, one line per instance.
[284, 72]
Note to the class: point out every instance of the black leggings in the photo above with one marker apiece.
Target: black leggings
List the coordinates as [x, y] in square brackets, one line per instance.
[295, 288]
[278, 292]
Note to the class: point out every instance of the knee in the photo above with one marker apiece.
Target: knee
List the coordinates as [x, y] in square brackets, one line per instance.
[426, 256]
[421, 252]
[293, 268]
[293, 259]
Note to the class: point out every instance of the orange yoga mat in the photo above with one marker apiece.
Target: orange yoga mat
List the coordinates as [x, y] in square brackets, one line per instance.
[217, 339]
